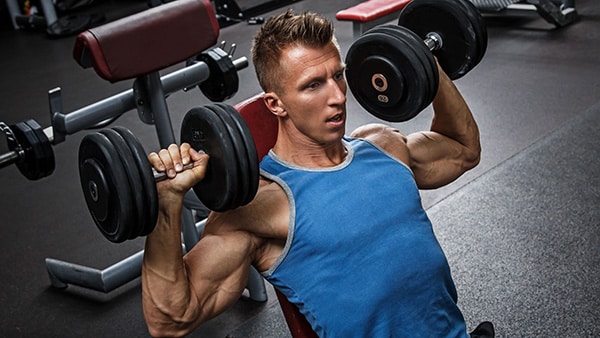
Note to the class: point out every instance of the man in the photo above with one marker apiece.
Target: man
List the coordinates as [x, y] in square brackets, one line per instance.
[337, 224]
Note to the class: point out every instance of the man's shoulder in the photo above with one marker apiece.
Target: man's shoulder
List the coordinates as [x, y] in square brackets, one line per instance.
[385, 137]
[380, 134]
[375, 131]
[267, 215]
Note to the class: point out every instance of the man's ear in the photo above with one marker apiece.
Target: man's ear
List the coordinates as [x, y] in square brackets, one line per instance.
[274, 104]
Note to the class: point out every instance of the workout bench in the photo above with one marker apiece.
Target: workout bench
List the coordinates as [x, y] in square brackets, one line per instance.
[127, 49]
[371, 13]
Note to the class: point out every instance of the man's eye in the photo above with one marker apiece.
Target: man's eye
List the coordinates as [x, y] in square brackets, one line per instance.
[313, 85]
[338, 76]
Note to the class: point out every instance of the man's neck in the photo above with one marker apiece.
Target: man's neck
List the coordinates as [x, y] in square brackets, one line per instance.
[310, 154]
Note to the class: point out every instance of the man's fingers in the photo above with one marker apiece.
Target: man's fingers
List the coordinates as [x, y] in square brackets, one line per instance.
[176, 155]
[173, 159]
[185, 151]
[200, 162]
[155, 161]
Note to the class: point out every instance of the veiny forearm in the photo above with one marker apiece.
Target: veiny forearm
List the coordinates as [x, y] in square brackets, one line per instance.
[169, 305]
[453, 118]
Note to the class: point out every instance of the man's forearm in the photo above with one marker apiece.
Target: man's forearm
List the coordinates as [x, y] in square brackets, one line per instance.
[163, 246]
[166, 292]
[453, 118]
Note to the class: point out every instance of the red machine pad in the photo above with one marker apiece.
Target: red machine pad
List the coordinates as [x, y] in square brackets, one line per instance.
[148, 41]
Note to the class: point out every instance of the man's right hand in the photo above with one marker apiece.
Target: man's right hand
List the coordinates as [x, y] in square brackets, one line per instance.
[172, 161]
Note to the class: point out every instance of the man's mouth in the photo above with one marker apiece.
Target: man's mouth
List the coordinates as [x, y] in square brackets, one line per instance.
[336, 118]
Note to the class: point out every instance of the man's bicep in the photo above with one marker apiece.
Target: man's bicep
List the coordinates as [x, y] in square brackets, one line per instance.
[435, 159]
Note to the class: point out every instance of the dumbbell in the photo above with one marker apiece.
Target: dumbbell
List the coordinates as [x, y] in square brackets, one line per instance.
[391, 70]
[30, 149]
[30, 145]
[119, 184]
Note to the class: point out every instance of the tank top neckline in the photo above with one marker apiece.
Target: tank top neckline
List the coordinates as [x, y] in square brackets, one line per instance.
[337, 167]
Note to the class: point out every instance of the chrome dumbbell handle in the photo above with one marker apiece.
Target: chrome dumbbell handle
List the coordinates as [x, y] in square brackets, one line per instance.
[433, 41]
[161, 176]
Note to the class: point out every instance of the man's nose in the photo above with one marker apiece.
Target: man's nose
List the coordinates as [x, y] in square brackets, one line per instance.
[338, 92]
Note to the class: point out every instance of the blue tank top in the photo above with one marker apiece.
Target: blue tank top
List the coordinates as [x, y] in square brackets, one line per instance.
[361, 258]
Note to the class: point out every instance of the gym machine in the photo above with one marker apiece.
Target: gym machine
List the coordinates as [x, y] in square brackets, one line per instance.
[557, 12]
[210, 68]
[56, 23]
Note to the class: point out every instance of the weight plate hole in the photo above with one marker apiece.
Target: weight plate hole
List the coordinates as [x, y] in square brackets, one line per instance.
[379, 82]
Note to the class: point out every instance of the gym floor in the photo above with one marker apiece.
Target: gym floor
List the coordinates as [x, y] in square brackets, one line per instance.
[520, 230]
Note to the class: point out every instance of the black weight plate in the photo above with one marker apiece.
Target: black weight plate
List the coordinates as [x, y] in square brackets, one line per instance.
[223, 80]
[241, 159]
[460, 47]
[247, 151]
[479, 26]
[147, 190]
[424, 55]
[365, 65]
[242, 150]
[409, 79]
[102, 179]
[252, 171]
[381, 80]
[29, 165]
[46, 161]
[133, 189]
[203, 130]
[422, 87]
[428, 62]
[425, 83]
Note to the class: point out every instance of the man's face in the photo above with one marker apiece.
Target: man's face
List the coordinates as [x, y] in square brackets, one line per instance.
[313, 93]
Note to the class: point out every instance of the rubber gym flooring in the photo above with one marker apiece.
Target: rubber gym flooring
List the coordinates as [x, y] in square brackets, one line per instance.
[520, 230]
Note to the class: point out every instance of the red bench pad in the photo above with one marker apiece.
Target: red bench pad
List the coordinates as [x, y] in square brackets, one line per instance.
[262, 123]
[297, 323]
[148, 41]
[371, 10]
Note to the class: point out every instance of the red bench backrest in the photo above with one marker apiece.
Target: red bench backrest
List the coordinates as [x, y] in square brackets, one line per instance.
[263, 126]
[262, 123]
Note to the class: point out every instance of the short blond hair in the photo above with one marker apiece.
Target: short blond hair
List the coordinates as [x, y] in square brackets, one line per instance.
[282, 31]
